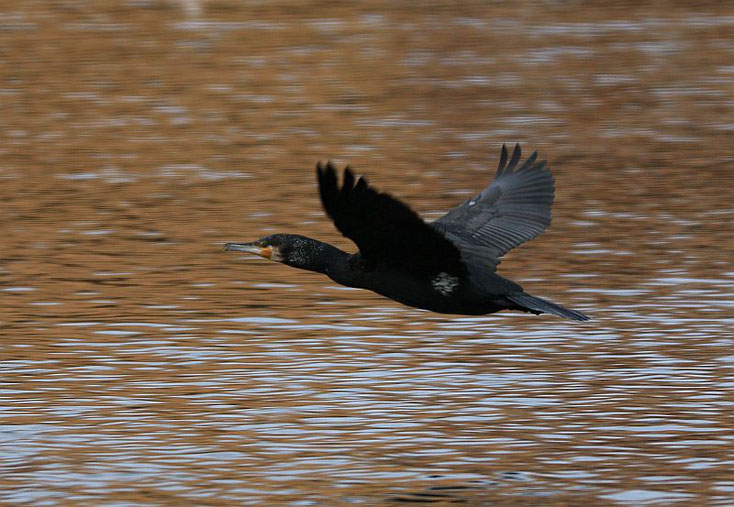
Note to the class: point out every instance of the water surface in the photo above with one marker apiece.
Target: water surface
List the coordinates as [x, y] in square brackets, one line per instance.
[142, 365]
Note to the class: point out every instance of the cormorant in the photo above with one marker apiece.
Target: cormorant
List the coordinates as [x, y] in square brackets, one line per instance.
[445, 266]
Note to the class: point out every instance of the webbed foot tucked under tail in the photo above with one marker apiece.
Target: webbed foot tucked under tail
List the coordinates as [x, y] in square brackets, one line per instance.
[535, 304]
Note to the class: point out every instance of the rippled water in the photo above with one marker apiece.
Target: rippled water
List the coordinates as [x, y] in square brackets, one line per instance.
[141, 365]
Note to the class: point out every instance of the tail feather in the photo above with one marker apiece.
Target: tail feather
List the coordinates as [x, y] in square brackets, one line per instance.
[536, 304]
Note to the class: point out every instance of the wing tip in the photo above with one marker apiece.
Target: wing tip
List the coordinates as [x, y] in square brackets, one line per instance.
[324, 168]
[503, 160]
[511, 166]
[505, 166]
[516, 155]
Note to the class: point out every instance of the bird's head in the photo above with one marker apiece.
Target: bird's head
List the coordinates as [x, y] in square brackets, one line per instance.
[290, 249]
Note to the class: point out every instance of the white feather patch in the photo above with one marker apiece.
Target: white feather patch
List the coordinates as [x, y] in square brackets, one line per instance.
[445, 283]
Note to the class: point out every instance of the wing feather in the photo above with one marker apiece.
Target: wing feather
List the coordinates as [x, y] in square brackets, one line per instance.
[384, 228]
[513, 209]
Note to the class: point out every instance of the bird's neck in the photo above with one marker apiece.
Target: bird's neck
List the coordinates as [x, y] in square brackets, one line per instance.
[322, 258]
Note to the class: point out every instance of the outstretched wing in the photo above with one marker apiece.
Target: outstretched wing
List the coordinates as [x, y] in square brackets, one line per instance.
[385, 229]
[513, 209]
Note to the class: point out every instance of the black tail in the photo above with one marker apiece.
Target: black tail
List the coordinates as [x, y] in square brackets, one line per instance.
[536, 304]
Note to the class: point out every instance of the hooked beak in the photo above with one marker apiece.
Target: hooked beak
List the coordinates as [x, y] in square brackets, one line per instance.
[262, 251]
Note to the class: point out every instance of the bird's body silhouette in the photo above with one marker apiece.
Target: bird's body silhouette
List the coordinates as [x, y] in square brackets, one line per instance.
[445, 266]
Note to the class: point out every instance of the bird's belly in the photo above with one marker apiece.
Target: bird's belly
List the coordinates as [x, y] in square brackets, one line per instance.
[441, 293]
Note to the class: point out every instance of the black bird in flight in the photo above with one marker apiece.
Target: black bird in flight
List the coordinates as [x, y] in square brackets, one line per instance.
[445, 266]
